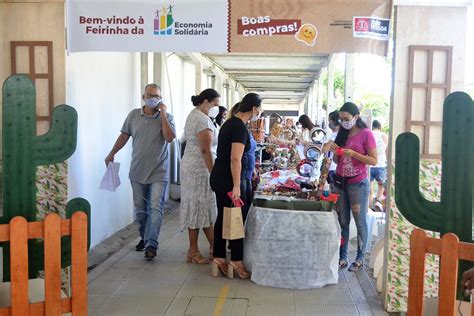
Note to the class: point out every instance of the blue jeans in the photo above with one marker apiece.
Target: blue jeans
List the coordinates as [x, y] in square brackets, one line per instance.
[378, 174]
[148, 201]
[355, 197]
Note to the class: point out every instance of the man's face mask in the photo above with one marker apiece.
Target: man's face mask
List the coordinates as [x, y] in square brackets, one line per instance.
[153, 102]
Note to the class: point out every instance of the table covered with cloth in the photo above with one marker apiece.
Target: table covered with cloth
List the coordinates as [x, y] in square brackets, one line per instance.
[292, 243]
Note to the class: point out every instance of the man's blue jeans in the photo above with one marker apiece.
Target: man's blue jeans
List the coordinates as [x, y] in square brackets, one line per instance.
[148, 201]
[354, 198]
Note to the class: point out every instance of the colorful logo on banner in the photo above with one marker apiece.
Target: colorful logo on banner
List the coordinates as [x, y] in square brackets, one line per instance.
[163, 22]
[370, 27]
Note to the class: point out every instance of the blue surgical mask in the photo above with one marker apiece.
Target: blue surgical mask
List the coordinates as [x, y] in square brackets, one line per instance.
[152, 102]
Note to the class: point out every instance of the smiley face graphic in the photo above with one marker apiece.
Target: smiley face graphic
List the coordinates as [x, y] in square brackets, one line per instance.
[307, 34]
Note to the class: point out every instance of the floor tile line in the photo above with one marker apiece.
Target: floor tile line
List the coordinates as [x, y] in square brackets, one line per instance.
[179, 290]
[350, 291]
[115, 294]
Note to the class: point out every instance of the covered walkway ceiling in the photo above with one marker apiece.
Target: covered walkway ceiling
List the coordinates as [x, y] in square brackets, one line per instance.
[278, 78]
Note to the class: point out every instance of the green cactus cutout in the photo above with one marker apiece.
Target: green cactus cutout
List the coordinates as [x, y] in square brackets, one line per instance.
[454, 212]
[23, 152]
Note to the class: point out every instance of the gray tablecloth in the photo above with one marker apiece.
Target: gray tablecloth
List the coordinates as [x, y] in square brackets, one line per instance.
[292, 249]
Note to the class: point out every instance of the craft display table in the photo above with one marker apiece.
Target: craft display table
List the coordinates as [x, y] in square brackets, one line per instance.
[292, 243]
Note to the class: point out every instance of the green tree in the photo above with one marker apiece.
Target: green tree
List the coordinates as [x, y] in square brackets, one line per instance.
[338, 89]
[379, 104]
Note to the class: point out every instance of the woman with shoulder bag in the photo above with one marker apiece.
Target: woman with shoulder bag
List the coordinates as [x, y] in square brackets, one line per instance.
[354, 149]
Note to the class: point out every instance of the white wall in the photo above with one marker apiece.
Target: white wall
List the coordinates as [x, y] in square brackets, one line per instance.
[182, 80]
[103, 88]
[446, 27]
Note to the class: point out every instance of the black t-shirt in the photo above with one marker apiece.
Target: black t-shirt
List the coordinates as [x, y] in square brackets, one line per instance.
[233, 131]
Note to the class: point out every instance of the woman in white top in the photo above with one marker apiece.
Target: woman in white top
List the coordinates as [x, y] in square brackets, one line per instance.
[379, 172]
[198, 201]
[308, 128]
[333, 123]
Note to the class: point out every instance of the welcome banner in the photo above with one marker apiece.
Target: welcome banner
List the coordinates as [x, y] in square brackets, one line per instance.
[193, 26]
[219, 26]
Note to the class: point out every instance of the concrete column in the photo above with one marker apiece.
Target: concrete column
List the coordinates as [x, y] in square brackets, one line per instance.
[143, 70]
[308, 103]
[313, 109]
[232, 94]
[213, 82]
[227, 94]
[219, 83]
[303, 108]
[159, 68]
[330, 92]
[242, 92]
[320, 93]
[199, 77]
[349, 78]
[136, 82]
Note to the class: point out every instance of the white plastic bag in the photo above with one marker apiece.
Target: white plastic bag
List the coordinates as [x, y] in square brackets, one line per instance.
[111, 180]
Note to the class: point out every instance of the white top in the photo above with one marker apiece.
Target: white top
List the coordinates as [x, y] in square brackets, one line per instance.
[381, 148]
[332, 137]
[197, 122]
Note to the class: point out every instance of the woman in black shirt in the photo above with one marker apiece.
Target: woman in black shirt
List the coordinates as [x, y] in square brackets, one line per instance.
[225, 178]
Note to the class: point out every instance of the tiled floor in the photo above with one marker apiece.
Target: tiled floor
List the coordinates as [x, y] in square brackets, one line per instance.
[126, 284]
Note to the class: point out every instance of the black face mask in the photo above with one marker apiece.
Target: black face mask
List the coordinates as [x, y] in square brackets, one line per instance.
[332, 126]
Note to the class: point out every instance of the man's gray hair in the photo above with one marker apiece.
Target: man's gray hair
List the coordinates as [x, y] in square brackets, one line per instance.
[153, 85]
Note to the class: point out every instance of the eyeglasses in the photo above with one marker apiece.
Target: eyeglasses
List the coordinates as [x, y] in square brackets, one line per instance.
[149, 96]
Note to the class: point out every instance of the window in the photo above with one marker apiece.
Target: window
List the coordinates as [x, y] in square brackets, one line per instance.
[429, 82]
[36, 60]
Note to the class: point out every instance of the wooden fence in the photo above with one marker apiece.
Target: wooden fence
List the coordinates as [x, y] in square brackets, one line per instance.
[17, 232]
[450, 251]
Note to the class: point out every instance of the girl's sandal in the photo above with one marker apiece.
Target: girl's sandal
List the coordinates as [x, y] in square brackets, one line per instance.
[219, 265]
[342, 264]
[196, 258]
[355, 266]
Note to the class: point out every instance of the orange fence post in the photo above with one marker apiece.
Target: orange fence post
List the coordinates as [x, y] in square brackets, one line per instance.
[19, 266]
[79, 263]
[448, 274]
[417, 273]
[52, 264]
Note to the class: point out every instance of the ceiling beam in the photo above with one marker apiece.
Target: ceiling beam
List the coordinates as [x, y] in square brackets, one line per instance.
[269, 81]
[276, 72]
[271, 55]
